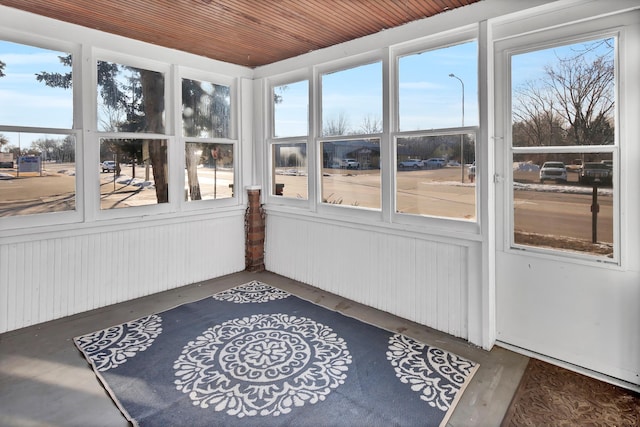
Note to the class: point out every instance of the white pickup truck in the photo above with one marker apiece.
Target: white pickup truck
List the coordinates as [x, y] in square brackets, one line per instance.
[108, 166]
[350, 164]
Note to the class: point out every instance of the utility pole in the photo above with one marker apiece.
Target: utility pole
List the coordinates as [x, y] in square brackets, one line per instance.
[461, 135]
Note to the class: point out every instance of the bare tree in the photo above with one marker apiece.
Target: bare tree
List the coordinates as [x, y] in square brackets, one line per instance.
[67, 150]
[2, 65]
[535, 116]
[46, 146]
[574, 101]
[110, 118]
[370, 125]
[336, 126]
[13, 149]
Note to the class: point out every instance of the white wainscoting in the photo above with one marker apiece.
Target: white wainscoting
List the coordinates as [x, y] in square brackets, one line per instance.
[57, 276]
[416, 279]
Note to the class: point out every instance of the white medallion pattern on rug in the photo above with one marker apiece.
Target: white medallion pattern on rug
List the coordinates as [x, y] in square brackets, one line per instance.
[252, 292]
[415, 363]
[265, 364]
[113, 346]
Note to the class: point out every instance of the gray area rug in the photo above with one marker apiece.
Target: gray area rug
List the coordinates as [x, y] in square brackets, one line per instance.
[256, 355]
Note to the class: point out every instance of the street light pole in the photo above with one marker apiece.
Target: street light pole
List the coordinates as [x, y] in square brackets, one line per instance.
[461, 136]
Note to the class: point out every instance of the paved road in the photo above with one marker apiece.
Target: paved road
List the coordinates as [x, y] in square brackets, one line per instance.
[440, 192]
[436, 192]
[31, 193]
[559, 214]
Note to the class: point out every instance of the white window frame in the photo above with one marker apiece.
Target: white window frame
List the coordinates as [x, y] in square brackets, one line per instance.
[140, 63]
[269, 129]
[352, 212]
[232, 83]
[544, 39]
[450, 227]
[168, 135]
[439, 225]
[65, 217]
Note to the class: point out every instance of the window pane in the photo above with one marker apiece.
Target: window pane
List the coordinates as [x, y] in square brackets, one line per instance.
[133, 172]
[36, 87]
[352, 101]
[290, 170]
[433, 86]
[564, 96]
[351, 174]
[206, 109]
[291, 109]
[553, 196]
[37, 174]
[431, 179]
[130, 99]
[209, 173]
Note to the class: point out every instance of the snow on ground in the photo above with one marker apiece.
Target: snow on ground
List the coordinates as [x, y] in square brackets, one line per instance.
[560, 188]
[525, 167]
[136, 182]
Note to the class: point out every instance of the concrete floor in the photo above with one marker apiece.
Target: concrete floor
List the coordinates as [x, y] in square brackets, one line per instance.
[45, 381]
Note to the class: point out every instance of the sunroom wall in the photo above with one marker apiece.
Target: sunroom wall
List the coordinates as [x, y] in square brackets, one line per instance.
[432, 271]
[440, 278]
[439, 274]
[57, 264]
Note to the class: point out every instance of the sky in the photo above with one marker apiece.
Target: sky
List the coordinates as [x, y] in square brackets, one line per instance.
[530, 65]
[428, 97]
[26, 101]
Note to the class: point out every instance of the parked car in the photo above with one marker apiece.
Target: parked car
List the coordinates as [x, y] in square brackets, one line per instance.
[553, 171]
[411, 164]
[434, 162]
[108, 166]
[350, 164]
[592, 171]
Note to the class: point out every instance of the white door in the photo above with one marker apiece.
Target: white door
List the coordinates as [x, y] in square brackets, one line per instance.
[567, 282]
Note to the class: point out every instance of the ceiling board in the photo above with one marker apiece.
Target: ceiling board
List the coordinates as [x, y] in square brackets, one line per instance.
[243, 32]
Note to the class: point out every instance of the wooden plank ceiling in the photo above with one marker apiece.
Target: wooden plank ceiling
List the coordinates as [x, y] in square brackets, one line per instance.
[243, 32]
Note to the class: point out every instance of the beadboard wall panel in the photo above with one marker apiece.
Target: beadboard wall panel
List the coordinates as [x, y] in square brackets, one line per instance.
[420, 280]
[46, 279]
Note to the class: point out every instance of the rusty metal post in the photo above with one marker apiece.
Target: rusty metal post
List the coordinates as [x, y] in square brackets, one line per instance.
[595, 208]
